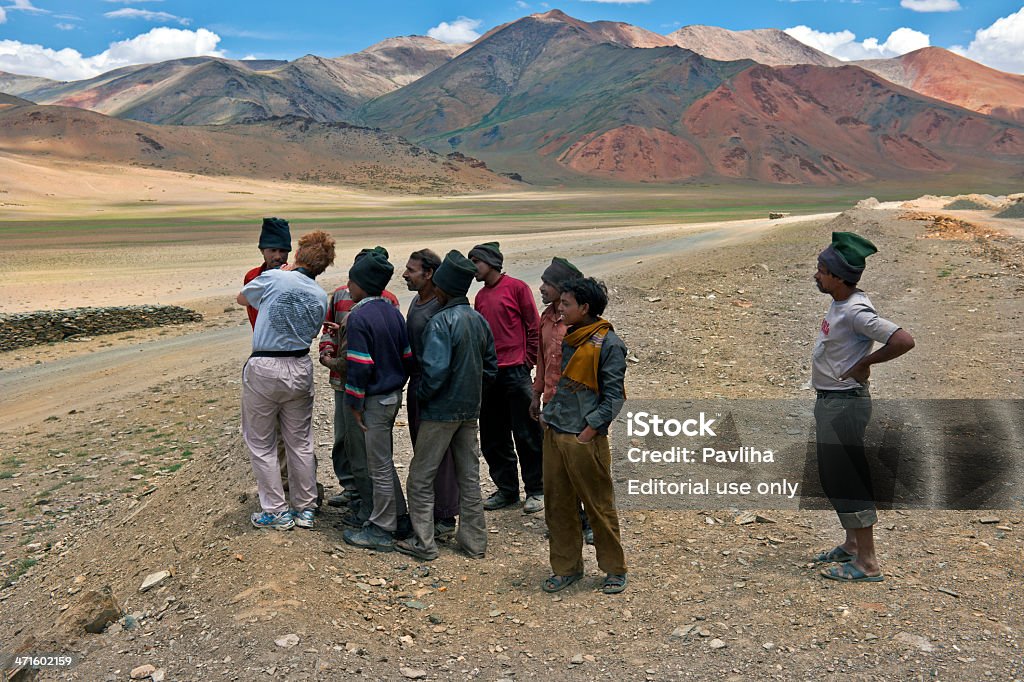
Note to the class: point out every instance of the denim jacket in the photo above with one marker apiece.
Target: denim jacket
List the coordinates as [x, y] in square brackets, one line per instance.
[458, 356]
[572, 411]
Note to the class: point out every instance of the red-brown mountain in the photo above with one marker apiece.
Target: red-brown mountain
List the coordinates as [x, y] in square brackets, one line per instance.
[549, 93]
[281, 149]
[947, 76]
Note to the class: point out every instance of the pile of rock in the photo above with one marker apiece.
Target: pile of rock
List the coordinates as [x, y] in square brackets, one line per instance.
[19, 330]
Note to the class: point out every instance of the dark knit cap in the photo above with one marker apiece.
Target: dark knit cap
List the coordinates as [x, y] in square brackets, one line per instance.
[372, 273]
[377, 249]
[275, 234]
[455, 274]
[560, 271]
[846, 256]
[488, 253]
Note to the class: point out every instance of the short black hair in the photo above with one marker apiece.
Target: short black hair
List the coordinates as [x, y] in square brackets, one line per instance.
[429, 260]
[590, 291]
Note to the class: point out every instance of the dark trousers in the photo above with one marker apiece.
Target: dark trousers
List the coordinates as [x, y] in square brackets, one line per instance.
[840, 421]
[339, 456]
[507, 429]
[355, 449]
[576, 472]
[446, 485]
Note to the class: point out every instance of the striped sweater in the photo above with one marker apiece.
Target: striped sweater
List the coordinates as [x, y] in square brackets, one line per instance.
[379, 357]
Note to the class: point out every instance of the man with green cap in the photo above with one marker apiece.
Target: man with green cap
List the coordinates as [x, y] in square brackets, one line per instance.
[508, 306]
[348, 454]
[457, 359]
[379, 360]
[840, 367]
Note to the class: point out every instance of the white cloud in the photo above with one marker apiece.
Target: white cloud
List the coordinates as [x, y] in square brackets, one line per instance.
[1000, 46]
[27, 6]
[522, 5]
[931, 5]
[621, 2]
[61, 26]
[843, 44]
[132, 2]
[462, 30]
[159, 44]
[145, 14]
[3, 16]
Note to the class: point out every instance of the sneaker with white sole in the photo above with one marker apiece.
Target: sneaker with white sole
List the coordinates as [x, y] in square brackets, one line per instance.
[279, 521]
[304, 519]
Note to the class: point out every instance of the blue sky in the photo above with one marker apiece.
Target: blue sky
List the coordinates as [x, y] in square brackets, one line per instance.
[69, 39]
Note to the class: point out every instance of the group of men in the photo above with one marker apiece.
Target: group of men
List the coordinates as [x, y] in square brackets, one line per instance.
[467, 375]
[468, 388]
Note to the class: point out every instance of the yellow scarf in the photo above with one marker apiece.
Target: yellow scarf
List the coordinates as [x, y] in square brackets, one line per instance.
[581, 370]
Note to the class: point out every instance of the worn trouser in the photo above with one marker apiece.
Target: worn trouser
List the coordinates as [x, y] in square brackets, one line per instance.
[577, 472]
[339, 455]
[840, 419]
[434, 439]
[280, 390]
[355, 451]
[446, 486]
[388, 500]
[504, 417]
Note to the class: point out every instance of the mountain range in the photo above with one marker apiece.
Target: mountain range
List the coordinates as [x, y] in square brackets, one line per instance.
[560, 100]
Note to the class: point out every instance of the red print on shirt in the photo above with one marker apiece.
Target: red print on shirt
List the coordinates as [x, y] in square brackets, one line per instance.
[824, 326]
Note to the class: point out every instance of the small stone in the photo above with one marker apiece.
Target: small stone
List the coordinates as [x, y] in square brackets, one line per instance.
[681, 632]
[745, 518]
[717, 644]
[158, 675]
[413, 604]
[412, 673]
[768, 646]
[917, 641]
[495, 613]
[577, 659]
[989, 519]
[143, 671]
[287, 642]
[153, 580]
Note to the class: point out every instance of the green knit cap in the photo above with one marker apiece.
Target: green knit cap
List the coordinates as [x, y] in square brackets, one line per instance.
[854, 248]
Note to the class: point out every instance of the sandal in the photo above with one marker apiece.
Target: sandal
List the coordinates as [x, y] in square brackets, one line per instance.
[836, 555]
[557, 583]
[848, 573]
[614, 583]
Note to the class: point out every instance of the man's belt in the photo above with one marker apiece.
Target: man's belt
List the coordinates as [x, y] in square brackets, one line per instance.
[280, 353]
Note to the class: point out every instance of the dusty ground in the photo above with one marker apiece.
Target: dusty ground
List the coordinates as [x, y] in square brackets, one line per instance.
[128, 482]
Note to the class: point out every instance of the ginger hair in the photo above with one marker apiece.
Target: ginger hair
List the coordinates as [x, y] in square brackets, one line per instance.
[316, 251]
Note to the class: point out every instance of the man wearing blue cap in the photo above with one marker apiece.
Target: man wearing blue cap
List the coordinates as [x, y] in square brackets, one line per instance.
[840, 367]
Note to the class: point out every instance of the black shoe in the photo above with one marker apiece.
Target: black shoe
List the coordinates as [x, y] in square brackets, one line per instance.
[319, 495]
[404, 528]
[500, 500]
[444, 529]
[351, 520]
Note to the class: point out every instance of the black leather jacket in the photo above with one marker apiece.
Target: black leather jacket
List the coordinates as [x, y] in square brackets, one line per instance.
[458, 356]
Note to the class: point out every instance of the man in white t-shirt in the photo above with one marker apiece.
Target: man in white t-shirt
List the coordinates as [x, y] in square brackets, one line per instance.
[841, 365]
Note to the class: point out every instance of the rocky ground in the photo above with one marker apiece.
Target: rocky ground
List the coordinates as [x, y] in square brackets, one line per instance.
[120, 490]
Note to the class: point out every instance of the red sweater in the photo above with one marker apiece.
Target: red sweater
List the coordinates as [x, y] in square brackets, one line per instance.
[339, 305]
[250, 276]
[511, 312]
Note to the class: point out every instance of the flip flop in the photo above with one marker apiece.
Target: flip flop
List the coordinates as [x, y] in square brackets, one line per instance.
[557, 583]
[614, 583]
[836, 555]
[848, 573]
